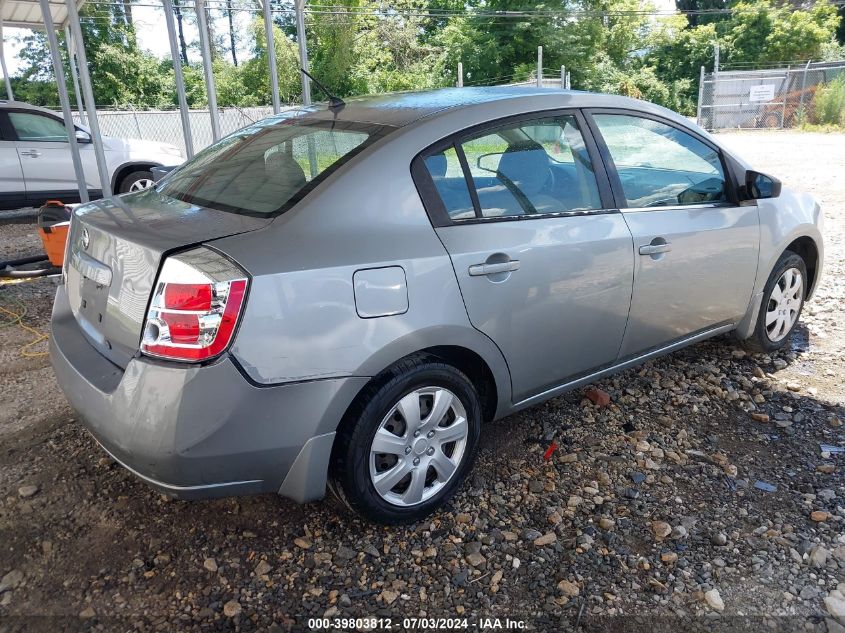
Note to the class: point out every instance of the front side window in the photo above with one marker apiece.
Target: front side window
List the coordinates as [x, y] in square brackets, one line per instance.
[534, 167]
[265, 168]
[660, 165]
[37, 127]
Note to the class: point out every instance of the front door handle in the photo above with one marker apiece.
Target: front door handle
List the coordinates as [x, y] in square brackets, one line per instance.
[479, 270]
[655, 248]
[32, 153]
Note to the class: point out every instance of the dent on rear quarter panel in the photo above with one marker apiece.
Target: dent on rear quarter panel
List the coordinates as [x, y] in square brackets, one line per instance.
[301, 320]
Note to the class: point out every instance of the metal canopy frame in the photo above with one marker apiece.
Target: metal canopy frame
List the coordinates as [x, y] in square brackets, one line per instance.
[54, 15]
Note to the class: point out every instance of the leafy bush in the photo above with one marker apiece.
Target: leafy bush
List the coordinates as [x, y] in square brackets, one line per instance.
[830, 102]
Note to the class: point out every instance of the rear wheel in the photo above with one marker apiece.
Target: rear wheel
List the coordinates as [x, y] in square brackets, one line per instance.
[409, 444]
[783, 300]
[136, 181]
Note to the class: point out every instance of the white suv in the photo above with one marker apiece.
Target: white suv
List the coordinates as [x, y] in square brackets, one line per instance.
[36, 165]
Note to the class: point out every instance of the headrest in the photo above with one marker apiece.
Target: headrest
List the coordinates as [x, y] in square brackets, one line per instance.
[437, 165]
[282, 169]
[526, 164]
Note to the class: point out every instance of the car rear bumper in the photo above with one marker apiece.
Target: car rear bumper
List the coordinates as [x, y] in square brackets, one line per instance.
[201, 431]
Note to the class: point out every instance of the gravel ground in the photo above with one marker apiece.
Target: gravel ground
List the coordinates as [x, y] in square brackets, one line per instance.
[650, 515]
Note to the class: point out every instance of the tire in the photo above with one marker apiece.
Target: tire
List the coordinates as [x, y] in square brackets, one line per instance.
[386, 407]
[781, 301]
[133, 180]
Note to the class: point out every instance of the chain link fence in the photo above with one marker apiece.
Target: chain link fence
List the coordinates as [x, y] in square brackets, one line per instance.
[763, 99]
[166, 125]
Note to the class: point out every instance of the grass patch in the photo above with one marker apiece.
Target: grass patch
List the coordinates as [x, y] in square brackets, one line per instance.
[830, 103]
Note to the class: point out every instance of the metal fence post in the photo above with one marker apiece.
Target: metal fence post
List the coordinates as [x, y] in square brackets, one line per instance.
[137, 124]
[59, 72]
[700, 96]
[71, 53]
[205, 50]
[271, 55]
[539, 66]
[460, 74]
[803, 88]
[9, 94]
[785, 96]
[299, 5]
[88, 93]
[184, 113]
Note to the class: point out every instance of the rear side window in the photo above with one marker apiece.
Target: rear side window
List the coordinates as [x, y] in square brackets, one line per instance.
[448, 177]
[533, 167]
[660, 165]
[266, 168]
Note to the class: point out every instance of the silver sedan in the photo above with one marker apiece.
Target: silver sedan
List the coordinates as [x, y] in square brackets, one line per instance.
[341, 296]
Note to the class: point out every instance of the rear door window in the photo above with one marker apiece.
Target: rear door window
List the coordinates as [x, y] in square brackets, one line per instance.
[266, 168]
[660, 165]
[533, 167]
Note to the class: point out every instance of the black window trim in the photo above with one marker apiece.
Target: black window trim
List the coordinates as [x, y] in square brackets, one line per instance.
[433, 203]
[473, 192]
[616, 183]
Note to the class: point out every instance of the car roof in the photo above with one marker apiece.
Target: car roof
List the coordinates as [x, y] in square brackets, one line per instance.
[22, 105]
[403, 108]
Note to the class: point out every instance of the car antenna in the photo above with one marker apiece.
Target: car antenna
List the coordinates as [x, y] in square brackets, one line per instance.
[334, 102]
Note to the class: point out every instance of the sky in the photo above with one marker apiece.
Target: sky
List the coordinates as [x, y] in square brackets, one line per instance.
[152, 32]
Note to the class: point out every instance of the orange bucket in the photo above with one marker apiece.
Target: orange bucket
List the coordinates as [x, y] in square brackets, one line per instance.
[53, 225]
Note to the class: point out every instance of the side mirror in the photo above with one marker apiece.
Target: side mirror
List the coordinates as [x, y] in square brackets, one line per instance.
[760, 186]
[82, 136]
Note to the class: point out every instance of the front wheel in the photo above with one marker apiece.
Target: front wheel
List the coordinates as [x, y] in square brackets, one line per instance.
[137, 181]
[783, 300]
[409, 444]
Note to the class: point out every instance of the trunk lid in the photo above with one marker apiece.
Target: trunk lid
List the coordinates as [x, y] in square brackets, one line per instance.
[115, 248]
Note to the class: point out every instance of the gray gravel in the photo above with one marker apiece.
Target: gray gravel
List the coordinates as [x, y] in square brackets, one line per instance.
[700, 494]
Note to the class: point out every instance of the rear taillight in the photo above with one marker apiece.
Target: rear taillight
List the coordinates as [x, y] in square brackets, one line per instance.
[195, 308]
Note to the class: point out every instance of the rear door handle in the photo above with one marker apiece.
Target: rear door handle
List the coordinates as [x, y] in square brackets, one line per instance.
[32, 153]
[479, 270]
[655, 249]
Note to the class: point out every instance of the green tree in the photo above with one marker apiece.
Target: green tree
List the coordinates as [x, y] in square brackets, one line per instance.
[254, 73]
[762, 32]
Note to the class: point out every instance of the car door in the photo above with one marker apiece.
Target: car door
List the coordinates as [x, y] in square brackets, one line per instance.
[12, 187]
[543, 260]
[695, 245]
[44, 154]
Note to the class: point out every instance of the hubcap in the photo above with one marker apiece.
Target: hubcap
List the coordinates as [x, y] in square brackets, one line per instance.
[143, 183]
[418, 446]
[784, 304]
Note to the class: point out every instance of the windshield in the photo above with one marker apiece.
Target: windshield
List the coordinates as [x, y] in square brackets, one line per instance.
[268, 167]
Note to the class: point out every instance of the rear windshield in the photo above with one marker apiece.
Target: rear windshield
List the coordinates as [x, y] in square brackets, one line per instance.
[268, 167]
